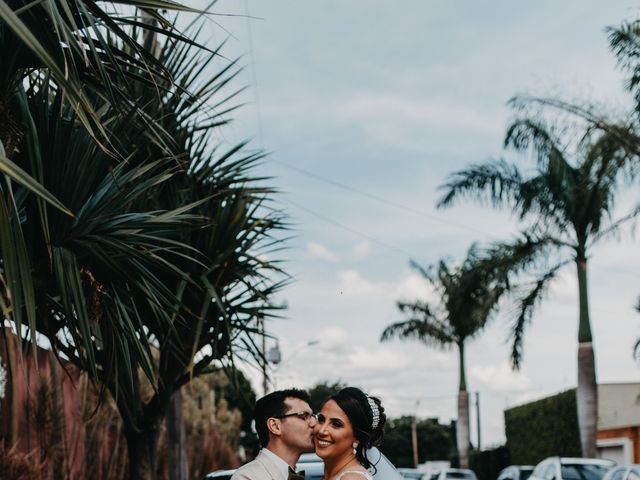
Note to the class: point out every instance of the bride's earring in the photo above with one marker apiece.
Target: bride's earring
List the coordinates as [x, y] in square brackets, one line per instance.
[354, 445]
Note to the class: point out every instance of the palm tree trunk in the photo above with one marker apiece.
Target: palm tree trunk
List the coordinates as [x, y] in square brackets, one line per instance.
[587, 393]
[141, 447]
[462, 424]
[177, 444]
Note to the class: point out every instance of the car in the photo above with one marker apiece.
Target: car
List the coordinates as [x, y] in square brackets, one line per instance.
[456, 474]
[623, 472]
[219, 475]
[312, 465]
[569, 468]
[515, 472]
[414, 474]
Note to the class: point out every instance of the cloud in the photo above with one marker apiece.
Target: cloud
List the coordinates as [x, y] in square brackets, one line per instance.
[415, 287]
[362, 250]
[500, 378]
[321, 252]
[353, 284]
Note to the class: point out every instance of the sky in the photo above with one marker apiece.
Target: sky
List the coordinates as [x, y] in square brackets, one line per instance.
[365, 108]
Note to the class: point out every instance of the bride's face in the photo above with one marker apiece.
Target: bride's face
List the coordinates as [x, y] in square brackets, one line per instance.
[333, 433]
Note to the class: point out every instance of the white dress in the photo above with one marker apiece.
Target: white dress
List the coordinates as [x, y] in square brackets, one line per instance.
[363, 474]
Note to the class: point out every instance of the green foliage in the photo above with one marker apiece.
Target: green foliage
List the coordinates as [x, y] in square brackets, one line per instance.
[543, 428]
[239, 394]
[132, 236]
[487, 463]
[566, 204]
[320, 392]
[435, 441]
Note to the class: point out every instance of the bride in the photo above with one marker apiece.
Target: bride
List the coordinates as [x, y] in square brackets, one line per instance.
[349, 423]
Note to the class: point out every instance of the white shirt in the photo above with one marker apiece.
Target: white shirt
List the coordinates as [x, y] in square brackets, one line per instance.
[283, 466]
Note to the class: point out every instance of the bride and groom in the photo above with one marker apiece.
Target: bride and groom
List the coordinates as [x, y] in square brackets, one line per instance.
[347, 426]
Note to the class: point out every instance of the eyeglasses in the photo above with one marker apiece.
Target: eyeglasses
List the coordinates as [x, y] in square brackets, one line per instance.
[306, 416]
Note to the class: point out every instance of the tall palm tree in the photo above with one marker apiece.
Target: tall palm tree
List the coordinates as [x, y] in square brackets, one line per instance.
[148, 262]
[85, 54]
[567, 206]
[467, 297]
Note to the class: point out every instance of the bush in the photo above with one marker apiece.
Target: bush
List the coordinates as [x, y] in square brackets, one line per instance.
[488, 463]
[543, 428]
[20, 466]
[435, 441]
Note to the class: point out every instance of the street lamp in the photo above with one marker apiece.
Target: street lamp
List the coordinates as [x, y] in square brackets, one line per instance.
[275, 356]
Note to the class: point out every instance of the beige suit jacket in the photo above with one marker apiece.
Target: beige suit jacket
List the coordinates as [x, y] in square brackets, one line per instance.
[262, 468]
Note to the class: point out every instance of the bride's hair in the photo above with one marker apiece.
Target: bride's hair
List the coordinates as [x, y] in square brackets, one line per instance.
[367, 418]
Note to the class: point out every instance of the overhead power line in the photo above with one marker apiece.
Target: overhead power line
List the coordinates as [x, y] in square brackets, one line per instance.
[330, 220]
[356, 190]
[378, 198]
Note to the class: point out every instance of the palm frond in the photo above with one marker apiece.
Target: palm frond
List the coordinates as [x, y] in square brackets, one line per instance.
[624, 41]
[526, 133]
[423, 327]
[498, 182]
[526, 304]
[623, 132]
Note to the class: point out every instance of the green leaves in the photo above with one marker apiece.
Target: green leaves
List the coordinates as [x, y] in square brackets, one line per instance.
[13, 171]
[468, 294]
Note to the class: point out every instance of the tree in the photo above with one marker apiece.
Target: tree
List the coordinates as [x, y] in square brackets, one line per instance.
[468, 295]
[73, 52]
[435, 441]
[151, 267]
[566, 206]
[321, 391]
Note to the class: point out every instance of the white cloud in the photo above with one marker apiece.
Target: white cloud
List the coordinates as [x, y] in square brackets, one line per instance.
[321, 252]
[362, 250]
[414, 287]
[500, 378]
[352, 283]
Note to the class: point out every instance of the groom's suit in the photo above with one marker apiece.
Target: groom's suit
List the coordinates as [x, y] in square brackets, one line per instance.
[262, 468]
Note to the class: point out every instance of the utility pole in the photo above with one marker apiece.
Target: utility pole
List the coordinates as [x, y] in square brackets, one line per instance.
[478, 418]
[265, 376]
[414, 436]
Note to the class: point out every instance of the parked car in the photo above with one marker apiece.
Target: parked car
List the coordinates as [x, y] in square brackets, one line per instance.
[623, 472]
[567, 468]
[515, 472]
[456, 474]
[414, 474]
[312, 465]
[219, 475]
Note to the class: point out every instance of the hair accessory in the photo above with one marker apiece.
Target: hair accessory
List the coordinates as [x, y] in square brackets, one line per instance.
[375, 412]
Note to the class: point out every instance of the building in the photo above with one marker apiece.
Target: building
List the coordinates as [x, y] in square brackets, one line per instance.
[619, 422]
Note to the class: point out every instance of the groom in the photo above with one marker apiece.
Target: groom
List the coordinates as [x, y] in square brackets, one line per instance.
[284, 422]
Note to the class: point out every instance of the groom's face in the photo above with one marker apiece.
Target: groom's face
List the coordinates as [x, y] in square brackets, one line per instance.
[297, 432]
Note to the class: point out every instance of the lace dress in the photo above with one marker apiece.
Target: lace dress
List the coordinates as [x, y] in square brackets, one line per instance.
[365, 475]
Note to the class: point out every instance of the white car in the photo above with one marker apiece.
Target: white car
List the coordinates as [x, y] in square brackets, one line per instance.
[516, 472]
[569, 468]
[456, 474]
[623, 472]
[414, 474]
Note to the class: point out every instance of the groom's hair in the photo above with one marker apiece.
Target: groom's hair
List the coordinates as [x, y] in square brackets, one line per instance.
[272, 405]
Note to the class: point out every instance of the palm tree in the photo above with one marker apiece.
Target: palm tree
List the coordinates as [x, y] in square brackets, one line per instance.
[567, 205]
[636, 347]
[152, 264]
[86, 55]
[468, 296]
